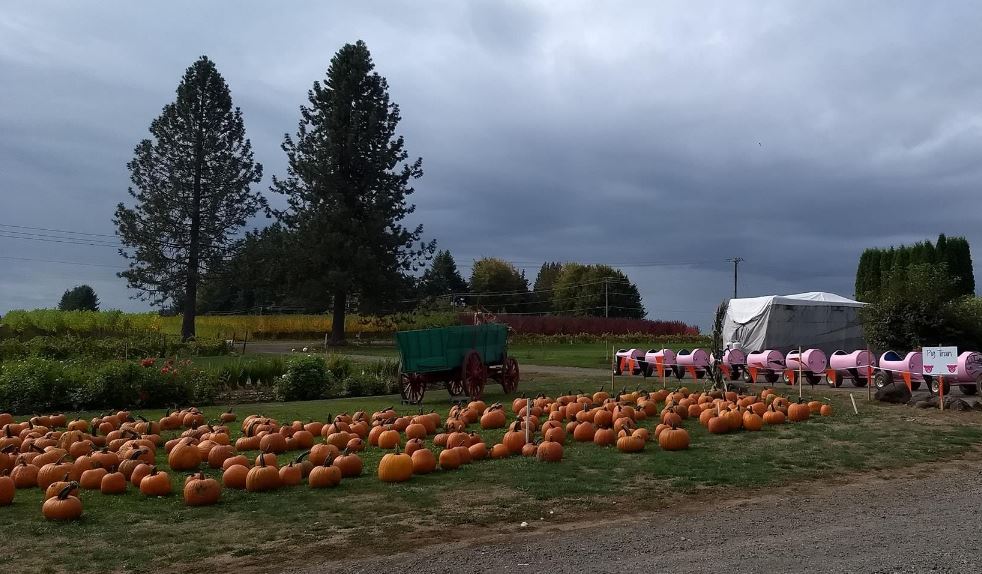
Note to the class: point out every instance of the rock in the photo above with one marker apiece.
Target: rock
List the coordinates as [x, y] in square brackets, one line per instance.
[956, 404]
[922, 405]
[977, 406]
[932, 401]
[893, 393]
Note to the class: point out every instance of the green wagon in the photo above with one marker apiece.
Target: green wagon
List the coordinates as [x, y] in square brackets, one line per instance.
[463, 358]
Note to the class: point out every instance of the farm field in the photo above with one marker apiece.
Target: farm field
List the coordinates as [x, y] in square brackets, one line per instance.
[292, 527]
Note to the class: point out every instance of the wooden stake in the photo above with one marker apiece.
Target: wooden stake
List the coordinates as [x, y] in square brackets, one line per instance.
[612, 360]
[528, 412]
[853, 399]
[800, 359]
[941, 392]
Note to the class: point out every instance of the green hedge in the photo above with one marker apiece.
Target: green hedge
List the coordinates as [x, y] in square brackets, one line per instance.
[38, 385]
[41, 385]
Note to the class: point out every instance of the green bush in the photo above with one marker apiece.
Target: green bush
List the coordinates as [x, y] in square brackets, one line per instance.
[306, 378]
[70, 346]
[376, 378]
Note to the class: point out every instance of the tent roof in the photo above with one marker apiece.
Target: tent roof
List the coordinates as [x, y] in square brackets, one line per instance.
[743, 310]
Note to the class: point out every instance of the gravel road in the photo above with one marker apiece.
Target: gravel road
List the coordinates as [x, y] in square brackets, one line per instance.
[861, 523]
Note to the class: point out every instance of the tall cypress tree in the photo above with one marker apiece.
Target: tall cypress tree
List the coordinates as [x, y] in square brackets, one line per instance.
[542, 289]
[348, 184]
[862, 286]
[442, 278]
[192, 185]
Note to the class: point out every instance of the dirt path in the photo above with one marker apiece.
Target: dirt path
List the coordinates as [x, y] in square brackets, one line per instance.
[865, 523]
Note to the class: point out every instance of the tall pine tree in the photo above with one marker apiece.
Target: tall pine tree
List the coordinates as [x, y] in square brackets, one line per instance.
[348, 182]
[544, 283]
[442, 278]
[192, 187]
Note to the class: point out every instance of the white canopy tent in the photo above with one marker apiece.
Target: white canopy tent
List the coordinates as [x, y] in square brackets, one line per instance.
[812, 320]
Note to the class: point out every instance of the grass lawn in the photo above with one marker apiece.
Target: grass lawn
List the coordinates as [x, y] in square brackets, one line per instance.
[294, 526]
[589, 355]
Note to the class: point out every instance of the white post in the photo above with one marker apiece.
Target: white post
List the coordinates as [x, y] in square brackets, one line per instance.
[853, 399]
[799, 371]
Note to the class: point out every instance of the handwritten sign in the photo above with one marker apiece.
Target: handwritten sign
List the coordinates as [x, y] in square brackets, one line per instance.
[940, 361]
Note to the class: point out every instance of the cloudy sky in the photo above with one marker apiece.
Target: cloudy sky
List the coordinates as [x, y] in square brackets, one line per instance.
[663, 137]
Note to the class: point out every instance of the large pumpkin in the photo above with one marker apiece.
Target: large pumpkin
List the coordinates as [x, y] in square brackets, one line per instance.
[184, 456]
[550, 451]
[262, 478]
[395, 467]
[449, 459]
[630, 443]
[201, 491]
[349, 463]
[424, 461]
[673, 438]
[325, 475]
[798, 412]
[63, 506]
[156, 483]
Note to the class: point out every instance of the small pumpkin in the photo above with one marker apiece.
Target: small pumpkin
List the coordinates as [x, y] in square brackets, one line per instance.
[798, 411]
[325, 475]
[7, 488]
[449, 459]
[349, 463]
[291, 474]
[184, 456]
[825, 411]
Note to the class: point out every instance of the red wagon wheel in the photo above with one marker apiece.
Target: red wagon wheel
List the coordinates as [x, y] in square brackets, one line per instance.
[412, 388]
[474, 374]
[509, 375]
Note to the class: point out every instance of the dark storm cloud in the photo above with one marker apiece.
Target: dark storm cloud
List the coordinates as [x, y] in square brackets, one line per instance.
[791, 134]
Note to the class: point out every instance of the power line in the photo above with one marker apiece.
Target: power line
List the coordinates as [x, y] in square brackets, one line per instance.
[57, 230]
[52, 239]
[59, 261]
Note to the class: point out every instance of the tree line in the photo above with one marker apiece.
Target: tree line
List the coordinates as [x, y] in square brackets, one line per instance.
[882, 270]
[340, 244]
[920, 295]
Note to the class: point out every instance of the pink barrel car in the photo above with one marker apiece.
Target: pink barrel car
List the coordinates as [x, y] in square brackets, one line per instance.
[811, 363]
[769, 363]
[854, 365]
[698, 359]
[734, 362]
[629, 360]
[668, 361]
[967, 376]
[892, 367]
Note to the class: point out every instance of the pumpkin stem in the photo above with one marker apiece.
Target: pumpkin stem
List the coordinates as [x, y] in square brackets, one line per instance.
[63, 493]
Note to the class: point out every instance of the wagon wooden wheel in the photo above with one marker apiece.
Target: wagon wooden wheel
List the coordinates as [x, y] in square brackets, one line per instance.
[455, 386]
[474, 374]
[412, 388]
[509, 375]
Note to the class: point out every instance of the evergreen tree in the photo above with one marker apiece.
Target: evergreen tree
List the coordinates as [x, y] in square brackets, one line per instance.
[442, 278]
[79, 298]
[597, 290]
[192, 188]
[862, 285]
[347, 185]
[542, 289]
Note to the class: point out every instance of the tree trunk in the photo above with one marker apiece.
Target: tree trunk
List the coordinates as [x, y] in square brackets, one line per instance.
[337, 324]
[191, 281]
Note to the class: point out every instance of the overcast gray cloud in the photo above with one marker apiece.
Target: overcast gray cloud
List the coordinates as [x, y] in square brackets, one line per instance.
[793, 134]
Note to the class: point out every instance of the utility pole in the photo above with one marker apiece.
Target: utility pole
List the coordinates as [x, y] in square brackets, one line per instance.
[736, 262]
[606, 301]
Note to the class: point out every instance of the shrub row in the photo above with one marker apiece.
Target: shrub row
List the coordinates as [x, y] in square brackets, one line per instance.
[587, 326]
[45, 385]
[71, 346]
[37, 384]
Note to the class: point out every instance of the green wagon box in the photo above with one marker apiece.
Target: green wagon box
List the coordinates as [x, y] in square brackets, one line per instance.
[462, 357]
